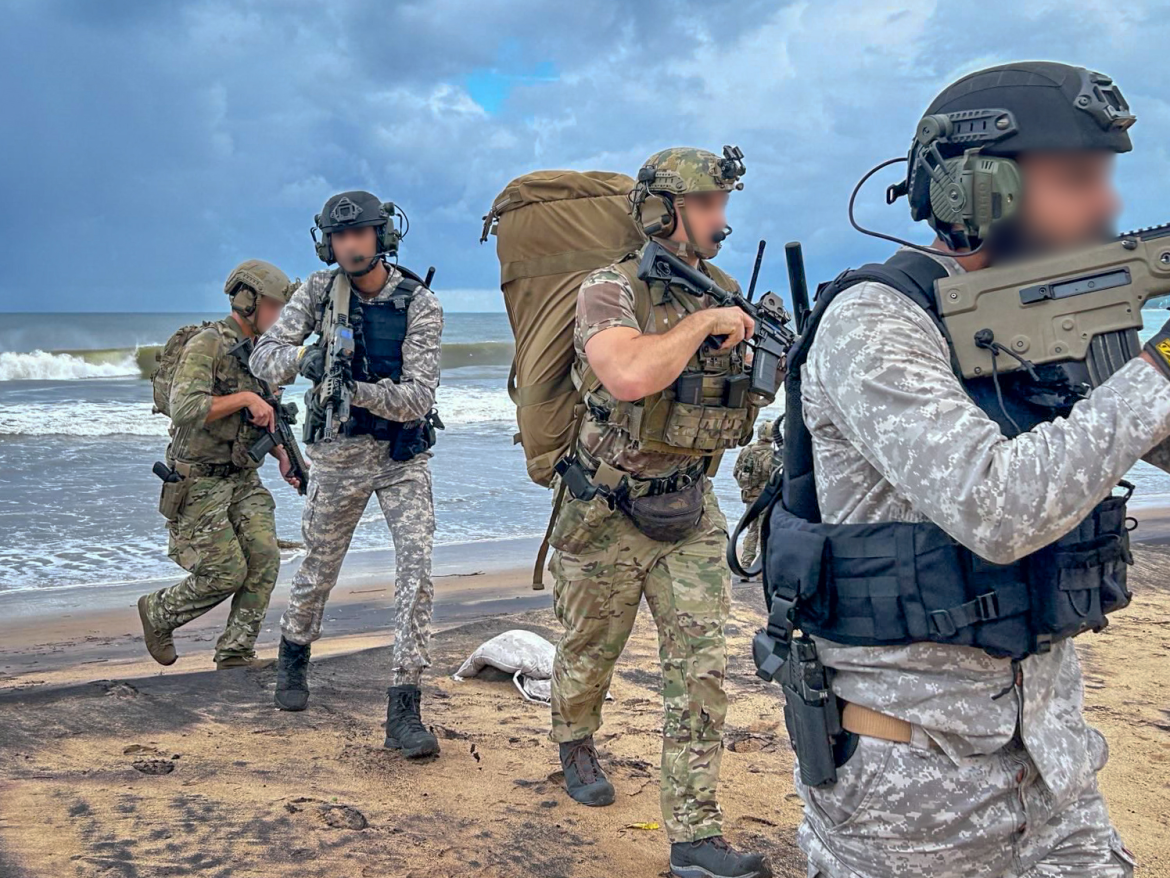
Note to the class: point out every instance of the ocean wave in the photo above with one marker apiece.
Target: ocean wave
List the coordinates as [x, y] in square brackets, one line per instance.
[68, 366]
[459, 406]
[140, 361]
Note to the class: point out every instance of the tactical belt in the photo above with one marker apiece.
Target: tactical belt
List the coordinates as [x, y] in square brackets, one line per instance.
[871, 724]
[213, 470]
[585, 477]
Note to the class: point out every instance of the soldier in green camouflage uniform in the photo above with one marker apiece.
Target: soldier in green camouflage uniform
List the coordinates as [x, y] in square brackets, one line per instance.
[752, 470]
[224, 533]
[634, 346]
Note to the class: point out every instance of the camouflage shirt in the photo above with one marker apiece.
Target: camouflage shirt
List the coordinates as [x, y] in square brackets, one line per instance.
[753, 468]
[205, 370]
[896, 438]
[275, 356]
[606, 300]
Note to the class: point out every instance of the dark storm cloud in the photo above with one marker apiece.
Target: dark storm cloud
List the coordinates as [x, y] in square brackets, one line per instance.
[150, 146]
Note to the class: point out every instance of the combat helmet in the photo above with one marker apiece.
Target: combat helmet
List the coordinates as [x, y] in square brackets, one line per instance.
[668, 176]
[255, 278]
[354, 210]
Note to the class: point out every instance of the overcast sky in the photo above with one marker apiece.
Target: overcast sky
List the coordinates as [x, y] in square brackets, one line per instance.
[148, 147]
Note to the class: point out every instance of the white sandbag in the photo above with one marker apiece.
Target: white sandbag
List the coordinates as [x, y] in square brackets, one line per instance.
[525, 655]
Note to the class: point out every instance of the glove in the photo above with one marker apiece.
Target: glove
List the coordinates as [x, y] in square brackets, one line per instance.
[1158, 348]
[311, 364]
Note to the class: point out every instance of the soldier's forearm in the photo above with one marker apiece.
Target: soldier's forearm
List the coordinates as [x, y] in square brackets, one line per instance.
[223, 406]
[408, 401]
[634, 365]
[274, 361]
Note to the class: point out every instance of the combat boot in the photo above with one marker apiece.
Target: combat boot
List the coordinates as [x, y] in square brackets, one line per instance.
[585, 782]
[159, 644]
[715, 858]
[404, 727]
[292, 676]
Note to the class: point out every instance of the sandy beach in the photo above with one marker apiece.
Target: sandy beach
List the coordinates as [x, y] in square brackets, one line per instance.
[112, 766]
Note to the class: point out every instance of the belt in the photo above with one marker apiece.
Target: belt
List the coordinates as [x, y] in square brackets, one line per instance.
[614, 481]
[863, 721]
[213, 470]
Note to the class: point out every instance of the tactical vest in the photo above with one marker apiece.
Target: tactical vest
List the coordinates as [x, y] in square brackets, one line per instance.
[706, 410]
[892, 583]
[379, 329]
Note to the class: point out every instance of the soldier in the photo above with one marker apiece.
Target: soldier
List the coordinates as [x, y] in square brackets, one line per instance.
[383, 448]
[649, 524]
[222, 528]
[753, 468]
[972, 755]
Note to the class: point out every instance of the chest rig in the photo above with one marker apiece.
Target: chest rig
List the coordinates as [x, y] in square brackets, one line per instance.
[705, 411]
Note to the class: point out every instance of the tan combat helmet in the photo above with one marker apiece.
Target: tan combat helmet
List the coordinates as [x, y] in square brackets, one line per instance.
[764, 431]
[668, 176]
[254, 278]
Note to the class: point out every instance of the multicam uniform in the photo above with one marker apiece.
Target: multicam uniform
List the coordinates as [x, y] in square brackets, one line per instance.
[225, 532]
[604, 564]
[347, 471]
[752, 470]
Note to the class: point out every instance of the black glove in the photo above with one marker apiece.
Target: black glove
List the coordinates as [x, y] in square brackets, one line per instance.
[1158, 348]
[312, 364]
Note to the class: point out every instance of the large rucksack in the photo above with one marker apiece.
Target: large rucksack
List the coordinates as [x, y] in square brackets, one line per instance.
[168, 360]
[552, 228]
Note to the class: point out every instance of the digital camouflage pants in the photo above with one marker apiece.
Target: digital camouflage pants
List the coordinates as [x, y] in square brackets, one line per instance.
[225, 537]
[603, 567]
[344, 474]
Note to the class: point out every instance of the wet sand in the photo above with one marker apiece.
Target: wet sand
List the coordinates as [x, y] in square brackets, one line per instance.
[112, 766]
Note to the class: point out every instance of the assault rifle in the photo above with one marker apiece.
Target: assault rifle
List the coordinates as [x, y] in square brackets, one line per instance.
[329, 401]
[1084, 306]
[284, 416]
[773, 336]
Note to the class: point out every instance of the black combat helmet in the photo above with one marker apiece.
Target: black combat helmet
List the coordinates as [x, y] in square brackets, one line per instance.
[354, 210]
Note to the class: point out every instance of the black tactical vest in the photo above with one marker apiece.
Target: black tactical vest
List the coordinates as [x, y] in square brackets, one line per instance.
[379, 331]
[892, 583]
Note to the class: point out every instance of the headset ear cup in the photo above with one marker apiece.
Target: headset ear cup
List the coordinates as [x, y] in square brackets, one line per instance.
[657, 212]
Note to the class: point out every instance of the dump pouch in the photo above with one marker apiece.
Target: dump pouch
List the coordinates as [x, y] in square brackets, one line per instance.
[666, 518]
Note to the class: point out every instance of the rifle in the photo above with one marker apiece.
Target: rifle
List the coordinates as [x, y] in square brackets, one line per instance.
[1083, 306]
[329, 401]
[284, 414]
[772, 337]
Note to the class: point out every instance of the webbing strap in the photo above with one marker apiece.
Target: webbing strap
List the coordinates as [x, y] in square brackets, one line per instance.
[560, 263]
[534, 394]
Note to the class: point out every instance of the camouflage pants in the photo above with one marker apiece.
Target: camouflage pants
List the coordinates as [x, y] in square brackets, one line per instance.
[225, 536]
[603, 567]
[751, 536]
[344, 474]
[899, 810]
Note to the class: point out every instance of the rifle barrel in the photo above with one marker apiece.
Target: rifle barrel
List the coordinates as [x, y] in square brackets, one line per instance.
[756, 270]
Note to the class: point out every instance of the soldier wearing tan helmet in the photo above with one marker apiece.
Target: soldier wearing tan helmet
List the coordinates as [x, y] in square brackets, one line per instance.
[662, 405]
[219, 515]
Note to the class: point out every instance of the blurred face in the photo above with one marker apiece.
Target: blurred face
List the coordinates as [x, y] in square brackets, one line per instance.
[354, 248]
[1069, 199]
[267, 310]
[706, 214]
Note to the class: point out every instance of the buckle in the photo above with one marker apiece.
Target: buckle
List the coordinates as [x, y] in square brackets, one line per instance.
[988, 606]
[943, 623]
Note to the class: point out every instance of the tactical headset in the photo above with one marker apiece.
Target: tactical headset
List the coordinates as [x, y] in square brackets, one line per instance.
[972, 191]
[389, 235]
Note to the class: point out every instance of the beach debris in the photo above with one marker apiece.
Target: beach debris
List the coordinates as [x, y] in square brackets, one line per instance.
[116, 688]
[333, 814]
[649, 826]
[525, 655]
[155, 766]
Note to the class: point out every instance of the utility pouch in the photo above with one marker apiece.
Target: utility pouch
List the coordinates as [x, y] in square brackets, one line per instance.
[688, 388]
[735, 395]
[176, 482]
[811, 714]
[666, 518]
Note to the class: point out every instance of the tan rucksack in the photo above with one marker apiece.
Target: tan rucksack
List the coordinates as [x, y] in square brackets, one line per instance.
[552, 228]
[168, 360]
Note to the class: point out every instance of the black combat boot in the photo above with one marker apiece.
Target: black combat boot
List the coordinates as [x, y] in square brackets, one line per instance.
[585, 782]
[715, 858]
[404, 727]
[292, 676]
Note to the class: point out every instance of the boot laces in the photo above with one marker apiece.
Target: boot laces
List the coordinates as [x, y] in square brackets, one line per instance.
[408, 711]
[583, 757]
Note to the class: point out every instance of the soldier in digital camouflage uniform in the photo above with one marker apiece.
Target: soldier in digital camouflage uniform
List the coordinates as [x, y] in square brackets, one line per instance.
[974, 765]
[638, 348]
[383, 449]
[224, 533]
[752, 470]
